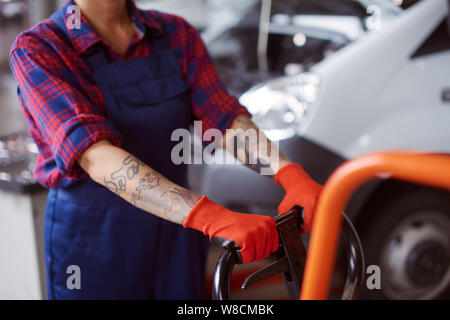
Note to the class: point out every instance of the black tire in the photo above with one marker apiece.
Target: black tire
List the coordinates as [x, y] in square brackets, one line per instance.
[389, 217]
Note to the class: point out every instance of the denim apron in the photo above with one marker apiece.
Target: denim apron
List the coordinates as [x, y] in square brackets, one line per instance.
[97, 240]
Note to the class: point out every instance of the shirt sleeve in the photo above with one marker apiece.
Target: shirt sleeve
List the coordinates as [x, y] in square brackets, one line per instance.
[211, 102]
[66, 119]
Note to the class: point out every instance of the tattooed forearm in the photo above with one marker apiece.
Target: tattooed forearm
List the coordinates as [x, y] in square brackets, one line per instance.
[250, 146]
[149, 181]
[136, 182]
[117, 180]
[178, 199]
[247, 153]
[148, 190]
[132, 166]
[188, 197]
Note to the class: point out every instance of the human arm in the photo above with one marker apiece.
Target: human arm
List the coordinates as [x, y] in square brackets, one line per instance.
[219, 110]
[145, 188]
[245, 142]
[137, 183]
[77, 141]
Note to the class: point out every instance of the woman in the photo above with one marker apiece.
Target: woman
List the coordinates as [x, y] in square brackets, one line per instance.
[102, 93]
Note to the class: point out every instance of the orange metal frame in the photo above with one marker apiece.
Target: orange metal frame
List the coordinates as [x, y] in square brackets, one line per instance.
[428, 169]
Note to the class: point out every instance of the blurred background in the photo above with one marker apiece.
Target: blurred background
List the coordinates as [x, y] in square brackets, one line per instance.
[329, 80]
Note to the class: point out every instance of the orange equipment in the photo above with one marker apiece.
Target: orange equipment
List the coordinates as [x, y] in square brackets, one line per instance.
[428, 169]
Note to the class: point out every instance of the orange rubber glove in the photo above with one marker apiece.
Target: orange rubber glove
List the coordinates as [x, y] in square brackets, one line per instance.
[256, 235]
[301, 190]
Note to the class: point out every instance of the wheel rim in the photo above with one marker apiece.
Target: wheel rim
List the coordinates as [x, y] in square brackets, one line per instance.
[415, 259]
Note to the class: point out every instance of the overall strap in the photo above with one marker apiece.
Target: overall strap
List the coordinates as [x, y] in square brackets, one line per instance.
[158, 39]
[96, 56]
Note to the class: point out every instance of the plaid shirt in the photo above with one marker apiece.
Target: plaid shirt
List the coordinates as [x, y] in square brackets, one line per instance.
[64, 107]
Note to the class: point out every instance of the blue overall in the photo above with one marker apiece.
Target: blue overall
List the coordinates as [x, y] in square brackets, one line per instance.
[121, 251]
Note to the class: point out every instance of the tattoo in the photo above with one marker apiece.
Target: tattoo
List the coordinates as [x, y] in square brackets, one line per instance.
[176, 197]
[117, 181]
[151, 180]
[146, 189]
[173, 205]
[248, 153]
[187, 196]
[133, 166]
[258, 153]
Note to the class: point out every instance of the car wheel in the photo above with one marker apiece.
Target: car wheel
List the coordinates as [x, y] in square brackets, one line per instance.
[407, 234]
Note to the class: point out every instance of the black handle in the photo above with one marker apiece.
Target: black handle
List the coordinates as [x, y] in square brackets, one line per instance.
[231, 256]
[224, 268]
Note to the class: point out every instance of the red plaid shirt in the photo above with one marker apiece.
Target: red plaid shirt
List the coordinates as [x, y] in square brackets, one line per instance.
[64, 107]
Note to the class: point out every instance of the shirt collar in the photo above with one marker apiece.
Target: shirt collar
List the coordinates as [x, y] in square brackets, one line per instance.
[85, 36]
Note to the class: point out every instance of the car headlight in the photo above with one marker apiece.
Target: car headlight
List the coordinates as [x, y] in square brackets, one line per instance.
[278, 106]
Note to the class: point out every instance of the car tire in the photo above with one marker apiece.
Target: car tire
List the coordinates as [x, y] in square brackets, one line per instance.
[405, 230]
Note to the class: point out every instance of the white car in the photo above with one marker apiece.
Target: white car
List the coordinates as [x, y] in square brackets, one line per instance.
[388, 90]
